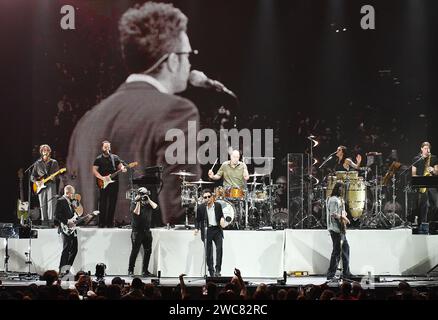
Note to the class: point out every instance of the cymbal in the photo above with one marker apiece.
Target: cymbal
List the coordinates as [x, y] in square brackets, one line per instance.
[260, 158]
[201, 182]
[257, 175]
[183, 174]
[373, 153]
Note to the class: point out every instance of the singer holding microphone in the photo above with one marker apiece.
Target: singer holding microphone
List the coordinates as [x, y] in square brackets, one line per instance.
[141, 210]
[426, 164]
[104, 165]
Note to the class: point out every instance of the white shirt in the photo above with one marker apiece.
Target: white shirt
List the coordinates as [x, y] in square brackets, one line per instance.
[211, 216]
[145, 78]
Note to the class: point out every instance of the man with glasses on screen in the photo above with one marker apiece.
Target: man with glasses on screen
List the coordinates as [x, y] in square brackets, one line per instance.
[136, 118]
[210, 215]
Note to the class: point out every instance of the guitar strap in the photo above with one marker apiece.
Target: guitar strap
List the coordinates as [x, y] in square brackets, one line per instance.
[113, 162]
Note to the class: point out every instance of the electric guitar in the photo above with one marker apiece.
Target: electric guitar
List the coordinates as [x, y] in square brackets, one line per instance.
[343, 220]
[102, 184]
[41, 184]
[22, 206]
[77, 220]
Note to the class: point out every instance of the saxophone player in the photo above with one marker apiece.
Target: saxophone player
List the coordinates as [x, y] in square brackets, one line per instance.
[426, 164]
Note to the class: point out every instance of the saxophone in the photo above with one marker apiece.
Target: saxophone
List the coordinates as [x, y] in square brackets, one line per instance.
[426, 172]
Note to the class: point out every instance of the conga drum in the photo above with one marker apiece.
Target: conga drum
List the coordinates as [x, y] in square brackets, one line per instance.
[356, 197]
[331, 181]
[341, 175]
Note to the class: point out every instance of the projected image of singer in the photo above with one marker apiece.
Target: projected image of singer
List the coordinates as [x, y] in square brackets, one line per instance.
[144, 108]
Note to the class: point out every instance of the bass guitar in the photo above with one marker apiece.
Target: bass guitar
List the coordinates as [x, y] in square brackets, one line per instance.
[77, 220]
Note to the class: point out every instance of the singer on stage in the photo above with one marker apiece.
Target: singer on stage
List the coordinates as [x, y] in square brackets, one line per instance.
[343, 162]
[144, 108]
[426, 164]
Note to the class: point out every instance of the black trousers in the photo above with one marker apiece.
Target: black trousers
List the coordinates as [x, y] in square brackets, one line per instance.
[428, 203]
[334, 260]
[214, 234]
[69, 251]
[107, 205]
[139, 238]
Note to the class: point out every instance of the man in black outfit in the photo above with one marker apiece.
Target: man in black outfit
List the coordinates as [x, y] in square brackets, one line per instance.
[426, 164]
[64, 214]
[210, 212]
[44, 167]
[141, 209]
[105, 165]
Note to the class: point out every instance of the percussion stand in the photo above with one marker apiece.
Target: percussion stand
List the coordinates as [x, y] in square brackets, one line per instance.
[394, 214]
[309, 216]
[249, 195]
[380, 218]
[368, 219]
[366, 193]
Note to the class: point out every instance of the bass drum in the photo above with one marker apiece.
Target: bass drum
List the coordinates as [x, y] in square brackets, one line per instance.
[229, 212]
[356, 197]
[280, 220]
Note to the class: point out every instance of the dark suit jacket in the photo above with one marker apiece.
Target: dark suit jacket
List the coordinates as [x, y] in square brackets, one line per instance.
[63, 211]
[201, 217]
[135, 119]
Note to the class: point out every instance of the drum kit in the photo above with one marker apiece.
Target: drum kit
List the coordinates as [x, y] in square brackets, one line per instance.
[364, 198]
[243, 208]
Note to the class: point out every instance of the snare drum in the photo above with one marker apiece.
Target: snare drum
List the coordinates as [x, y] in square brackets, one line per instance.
[260, 196]
[219, 193]
[234, 193]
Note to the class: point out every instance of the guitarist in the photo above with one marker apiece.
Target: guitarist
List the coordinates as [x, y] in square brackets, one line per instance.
[336, 225]
[105, 164]
[426, 164]
[44, 167]
[64, 214]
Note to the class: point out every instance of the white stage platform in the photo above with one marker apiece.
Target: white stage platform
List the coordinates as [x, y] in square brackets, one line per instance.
[256, 253]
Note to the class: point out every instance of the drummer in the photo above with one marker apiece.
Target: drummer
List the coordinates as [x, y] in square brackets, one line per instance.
[343, 162]
[234, 172]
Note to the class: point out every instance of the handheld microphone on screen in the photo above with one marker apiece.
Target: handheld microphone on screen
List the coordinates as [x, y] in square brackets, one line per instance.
[199, 79]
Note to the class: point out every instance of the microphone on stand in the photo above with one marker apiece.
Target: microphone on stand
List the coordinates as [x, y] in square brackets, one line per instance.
[199, 79]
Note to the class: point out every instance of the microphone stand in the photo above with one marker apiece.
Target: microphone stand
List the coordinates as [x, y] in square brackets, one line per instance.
[326, 160]
[407, 187]
[28, 254]
[323, 200]
[205, 243]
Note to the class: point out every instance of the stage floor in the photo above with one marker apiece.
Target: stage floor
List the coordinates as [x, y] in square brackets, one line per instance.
[258, 254]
